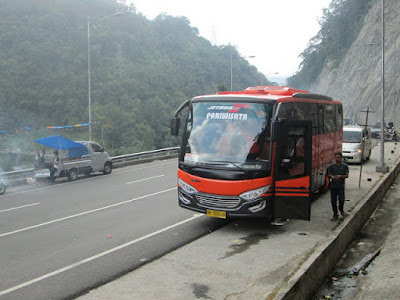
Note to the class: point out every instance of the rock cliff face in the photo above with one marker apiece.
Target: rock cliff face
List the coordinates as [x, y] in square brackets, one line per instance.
[357, 81]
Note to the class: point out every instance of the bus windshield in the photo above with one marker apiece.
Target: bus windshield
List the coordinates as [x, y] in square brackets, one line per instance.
[229, 134]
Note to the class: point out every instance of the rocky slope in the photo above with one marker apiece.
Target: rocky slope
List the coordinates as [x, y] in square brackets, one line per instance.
[357, 81]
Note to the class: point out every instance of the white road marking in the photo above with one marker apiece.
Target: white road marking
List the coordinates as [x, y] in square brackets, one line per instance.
[48, 275]
[85, 213]
[50, 186]
[84, 179]
[144, 179]
[19, 207]
[147, 167]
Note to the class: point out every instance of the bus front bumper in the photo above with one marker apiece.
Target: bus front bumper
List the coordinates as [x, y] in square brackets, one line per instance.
[259, 208]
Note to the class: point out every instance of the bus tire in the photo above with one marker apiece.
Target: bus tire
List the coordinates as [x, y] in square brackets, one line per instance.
[107, 168]
[72, 174]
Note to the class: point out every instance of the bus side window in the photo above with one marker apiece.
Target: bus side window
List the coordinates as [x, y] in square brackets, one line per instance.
[298, 150]
[293, 156]
[297, 159]
[339, 117]
[329, 118]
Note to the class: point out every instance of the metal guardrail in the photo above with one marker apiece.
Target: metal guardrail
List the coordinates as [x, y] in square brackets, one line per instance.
[19, 177]
[142, 157]
[16, 177]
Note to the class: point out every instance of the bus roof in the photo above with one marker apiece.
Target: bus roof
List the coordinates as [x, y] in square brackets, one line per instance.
[272, 93]
[268, 90]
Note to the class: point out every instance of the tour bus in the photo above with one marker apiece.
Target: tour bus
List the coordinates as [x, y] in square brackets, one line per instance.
[260, 152]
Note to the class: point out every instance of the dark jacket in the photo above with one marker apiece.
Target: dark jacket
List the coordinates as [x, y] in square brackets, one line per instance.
[335, 169]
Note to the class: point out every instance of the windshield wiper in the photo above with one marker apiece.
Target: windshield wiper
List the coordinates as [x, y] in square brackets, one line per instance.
[201, 164]
[217, 163]
[234, 164]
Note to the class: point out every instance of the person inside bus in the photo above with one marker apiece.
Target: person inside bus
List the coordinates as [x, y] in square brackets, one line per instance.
[261, 147]
[204, 136]
[297, 159]
[232, 142]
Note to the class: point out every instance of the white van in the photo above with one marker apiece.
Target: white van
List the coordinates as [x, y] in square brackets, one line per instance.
[353, 139]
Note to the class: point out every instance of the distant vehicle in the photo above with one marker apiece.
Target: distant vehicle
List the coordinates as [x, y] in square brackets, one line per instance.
[348, 122]
[391, 135]
[376, 130]
[81, 157]
[357, 143]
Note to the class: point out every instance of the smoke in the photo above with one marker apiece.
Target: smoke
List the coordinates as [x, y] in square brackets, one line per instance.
[16, 152]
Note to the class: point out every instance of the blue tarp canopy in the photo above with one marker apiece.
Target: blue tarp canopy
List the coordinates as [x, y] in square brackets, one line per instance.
[59, 142]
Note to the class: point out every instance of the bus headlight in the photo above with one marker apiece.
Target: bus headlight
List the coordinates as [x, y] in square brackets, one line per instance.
[184, 198]
[359, 151]
[260, 206]
[254, 194]
[187, 187]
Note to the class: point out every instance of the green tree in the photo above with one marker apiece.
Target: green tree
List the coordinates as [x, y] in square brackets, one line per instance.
[141, 70]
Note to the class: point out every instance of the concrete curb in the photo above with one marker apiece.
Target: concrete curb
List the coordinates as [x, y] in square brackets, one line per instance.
[307, 280]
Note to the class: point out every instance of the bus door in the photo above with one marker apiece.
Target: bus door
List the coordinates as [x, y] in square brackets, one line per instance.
[292, 169]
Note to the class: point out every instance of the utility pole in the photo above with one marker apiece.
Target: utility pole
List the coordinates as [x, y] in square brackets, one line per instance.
[382, 167]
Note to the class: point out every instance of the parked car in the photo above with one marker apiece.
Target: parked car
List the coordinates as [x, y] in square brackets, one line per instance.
[81, 157]
[376, 130]
[357, 143]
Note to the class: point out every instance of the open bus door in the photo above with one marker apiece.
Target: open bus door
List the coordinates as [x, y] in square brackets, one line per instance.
[292, 169]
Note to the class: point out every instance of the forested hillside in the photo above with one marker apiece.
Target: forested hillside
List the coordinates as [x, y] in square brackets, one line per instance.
[340, 26]
[141, 71]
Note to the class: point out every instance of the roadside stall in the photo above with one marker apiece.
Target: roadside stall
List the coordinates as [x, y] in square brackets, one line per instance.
[67, 150]
[74, 158]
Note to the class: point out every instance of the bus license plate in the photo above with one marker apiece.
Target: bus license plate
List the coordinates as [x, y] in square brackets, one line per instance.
[216, 214]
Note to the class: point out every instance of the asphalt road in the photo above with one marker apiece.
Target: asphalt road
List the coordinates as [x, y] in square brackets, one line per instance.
[250, 259]
[59, 241]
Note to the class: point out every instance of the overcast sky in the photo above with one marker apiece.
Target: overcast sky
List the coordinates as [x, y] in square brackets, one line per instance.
[274, 31]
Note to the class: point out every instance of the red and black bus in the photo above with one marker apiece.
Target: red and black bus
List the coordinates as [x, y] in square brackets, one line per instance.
[260, 152]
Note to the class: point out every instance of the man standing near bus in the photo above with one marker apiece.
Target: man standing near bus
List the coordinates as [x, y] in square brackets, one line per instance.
[338, 172]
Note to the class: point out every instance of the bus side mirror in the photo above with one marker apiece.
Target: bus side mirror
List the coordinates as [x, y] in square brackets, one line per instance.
[175, 122]
[175, 126]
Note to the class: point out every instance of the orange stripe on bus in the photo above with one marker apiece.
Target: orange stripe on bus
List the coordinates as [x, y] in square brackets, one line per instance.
[292, 195]
[223, 187]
